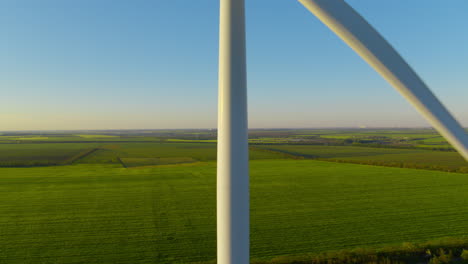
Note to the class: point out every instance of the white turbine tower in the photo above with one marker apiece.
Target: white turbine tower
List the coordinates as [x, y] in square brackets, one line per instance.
[232, 174]
[233, 160]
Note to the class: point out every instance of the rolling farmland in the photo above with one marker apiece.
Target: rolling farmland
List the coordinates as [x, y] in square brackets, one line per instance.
[154, 201]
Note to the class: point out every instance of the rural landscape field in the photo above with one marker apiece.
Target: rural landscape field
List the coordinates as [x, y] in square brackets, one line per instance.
[233, 132]
[149, 196]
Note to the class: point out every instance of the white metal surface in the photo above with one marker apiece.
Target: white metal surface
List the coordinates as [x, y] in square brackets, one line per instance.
[233, 167]
[380, 55]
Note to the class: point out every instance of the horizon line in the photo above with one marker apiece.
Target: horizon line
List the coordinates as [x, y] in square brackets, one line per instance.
[215, 129]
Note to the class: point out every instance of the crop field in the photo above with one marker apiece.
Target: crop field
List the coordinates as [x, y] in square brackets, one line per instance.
[139, 199]
[413, 136]
[75, 138]
[411, 158]
[111, 153]
[149, 153]
[424, 138]
[139, 162]
[337, 151]
[14, 155]
[97, 136]
[166, 214]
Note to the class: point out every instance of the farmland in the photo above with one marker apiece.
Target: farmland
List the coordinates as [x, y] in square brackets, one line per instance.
[409, 158]
[23, 155]
[143, 198]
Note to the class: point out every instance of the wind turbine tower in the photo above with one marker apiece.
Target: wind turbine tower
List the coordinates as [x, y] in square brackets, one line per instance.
[233, 155]
[233, 167]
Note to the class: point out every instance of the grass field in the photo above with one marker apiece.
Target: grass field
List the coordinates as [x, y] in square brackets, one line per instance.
[14, 155]
[46, 154]
[406, 138]
[110, 153]
[139, 162]
[140, 199]
[166, 214]
[97, 136]
[411, 158]
[71, 138]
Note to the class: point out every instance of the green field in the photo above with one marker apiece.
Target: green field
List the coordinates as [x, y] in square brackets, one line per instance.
[18, 155]
[166, 214]
[409, 158]
[42, 154]
[154, 201]
[140, 162]
[409, 138]
[110, 153]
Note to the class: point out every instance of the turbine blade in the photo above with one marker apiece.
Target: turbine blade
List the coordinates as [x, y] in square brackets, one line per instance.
[354, 30]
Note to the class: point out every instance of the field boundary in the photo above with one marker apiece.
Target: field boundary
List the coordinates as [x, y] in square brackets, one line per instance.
[122, 163]
[80, 156]
[292, 155]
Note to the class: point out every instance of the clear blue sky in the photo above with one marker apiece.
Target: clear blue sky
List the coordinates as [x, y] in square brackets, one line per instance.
[115, 64]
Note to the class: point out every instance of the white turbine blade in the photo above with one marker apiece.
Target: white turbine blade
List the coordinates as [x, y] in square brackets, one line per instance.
[375, 50]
